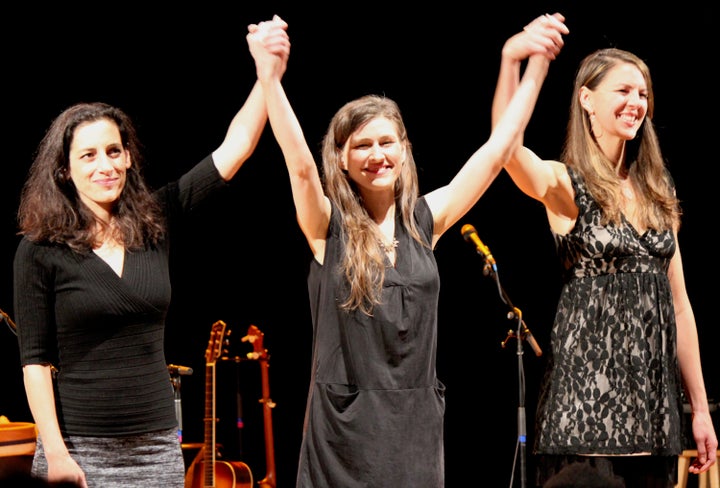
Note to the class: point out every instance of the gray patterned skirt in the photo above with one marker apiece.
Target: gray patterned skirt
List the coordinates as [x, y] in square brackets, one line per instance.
[137, 461]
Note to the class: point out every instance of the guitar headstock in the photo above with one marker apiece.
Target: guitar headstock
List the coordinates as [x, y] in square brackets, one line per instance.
[216, 342]
[255, 337]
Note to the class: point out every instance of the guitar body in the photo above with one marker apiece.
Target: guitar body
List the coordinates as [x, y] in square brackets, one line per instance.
[228, 474]
[206, 471]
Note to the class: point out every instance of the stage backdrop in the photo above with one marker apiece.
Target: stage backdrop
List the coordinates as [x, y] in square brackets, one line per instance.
[183, 72]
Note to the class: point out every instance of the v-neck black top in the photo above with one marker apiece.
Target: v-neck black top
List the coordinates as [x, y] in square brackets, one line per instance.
[105, 333]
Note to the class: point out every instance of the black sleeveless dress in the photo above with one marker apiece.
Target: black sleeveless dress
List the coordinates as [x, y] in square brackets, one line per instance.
[375, 408]
[612, 385]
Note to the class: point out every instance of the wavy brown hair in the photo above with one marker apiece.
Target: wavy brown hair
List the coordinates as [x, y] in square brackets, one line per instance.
[659, 207]
[364, 261]
[50, 209]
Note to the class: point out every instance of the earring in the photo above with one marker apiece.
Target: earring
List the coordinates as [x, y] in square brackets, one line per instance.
[60, 174]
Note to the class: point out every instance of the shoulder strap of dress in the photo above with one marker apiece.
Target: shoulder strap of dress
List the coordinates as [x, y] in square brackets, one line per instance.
[423, 217]
[582, 196]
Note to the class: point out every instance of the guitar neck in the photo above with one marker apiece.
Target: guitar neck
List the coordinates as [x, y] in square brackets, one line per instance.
[210, 421]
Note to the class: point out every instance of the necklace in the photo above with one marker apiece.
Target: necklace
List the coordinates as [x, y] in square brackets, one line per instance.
[388, 248]
[627, 189]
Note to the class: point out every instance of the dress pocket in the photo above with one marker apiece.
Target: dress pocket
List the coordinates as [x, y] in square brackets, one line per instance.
[341, 397]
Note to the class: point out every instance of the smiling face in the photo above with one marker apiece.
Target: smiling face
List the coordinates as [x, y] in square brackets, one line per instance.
[98, 165]
[619, 103]
[373, 156]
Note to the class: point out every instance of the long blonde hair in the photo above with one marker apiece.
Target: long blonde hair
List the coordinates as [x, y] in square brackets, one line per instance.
[364, 261]
[659, 207]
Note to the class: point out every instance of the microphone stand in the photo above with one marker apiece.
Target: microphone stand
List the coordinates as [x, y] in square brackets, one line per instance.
[522, 332]
[176, 373]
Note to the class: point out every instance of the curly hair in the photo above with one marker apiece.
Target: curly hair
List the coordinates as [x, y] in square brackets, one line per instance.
[50, 210]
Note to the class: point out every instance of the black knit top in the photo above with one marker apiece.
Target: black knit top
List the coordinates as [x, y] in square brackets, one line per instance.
[105, 333]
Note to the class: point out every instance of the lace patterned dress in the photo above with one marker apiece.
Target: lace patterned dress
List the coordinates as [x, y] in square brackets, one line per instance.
[612, 384]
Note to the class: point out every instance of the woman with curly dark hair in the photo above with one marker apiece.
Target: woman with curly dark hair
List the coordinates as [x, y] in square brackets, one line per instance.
[92, 290]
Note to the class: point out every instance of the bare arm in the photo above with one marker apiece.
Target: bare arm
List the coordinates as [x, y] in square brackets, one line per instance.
[242, 135]
[451, 202]
[688, 350]
[41, 399]
[545, 181]
[312, 207]
[247, 125]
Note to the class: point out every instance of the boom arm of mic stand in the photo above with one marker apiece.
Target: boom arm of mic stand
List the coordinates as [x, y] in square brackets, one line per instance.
[6, 318]
[523, 332]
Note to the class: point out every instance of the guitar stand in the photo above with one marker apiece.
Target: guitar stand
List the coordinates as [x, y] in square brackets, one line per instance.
[522, 333]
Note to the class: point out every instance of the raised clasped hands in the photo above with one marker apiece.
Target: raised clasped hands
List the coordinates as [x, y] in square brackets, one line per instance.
[543, 36]
[269, 45]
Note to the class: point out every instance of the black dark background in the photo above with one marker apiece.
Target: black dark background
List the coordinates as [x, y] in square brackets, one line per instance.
[182, 73]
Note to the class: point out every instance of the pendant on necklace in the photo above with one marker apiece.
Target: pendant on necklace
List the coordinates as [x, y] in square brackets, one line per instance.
[388, 248]
[627, 189]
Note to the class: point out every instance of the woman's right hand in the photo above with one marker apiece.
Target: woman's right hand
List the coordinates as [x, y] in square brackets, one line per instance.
[62, 468]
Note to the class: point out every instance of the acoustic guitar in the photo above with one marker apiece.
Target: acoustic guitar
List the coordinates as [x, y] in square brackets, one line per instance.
[206, 471]
[255, 337]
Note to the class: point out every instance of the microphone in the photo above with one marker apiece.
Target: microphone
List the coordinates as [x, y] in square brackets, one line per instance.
[470, 235]
[179, 370]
